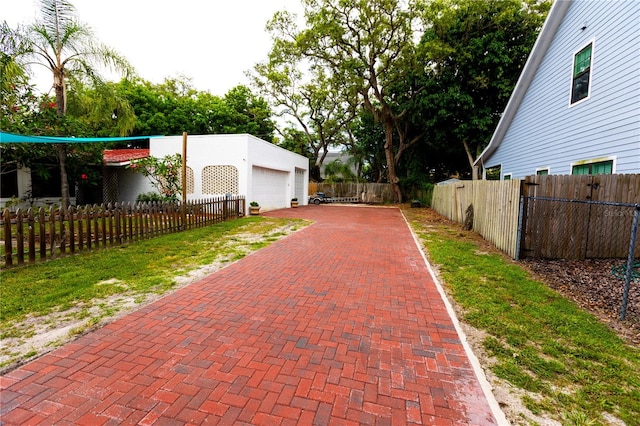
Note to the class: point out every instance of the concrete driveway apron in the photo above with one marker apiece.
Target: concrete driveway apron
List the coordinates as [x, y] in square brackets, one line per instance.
[340, 323]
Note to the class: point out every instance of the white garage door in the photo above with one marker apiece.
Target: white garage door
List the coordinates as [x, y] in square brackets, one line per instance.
[300, 184]
[270, 188]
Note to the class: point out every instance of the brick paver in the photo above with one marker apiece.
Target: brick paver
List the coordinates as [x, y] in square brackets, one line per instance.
[339, 323]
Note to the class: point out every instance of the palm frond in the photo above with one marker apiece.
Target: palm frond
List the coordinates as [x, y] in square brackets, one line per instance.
[57, 14]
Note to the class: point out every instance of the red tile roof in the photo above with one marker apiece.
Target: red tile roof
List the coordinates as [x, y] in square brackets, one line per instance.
[120, 157]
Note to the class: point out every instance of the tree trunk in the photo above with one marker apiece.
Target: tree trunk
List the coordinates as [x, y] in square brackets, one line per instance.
[64, 182]
[475, 170]
[384, 115]
[391, 161]
[314, 173]
[61, 149]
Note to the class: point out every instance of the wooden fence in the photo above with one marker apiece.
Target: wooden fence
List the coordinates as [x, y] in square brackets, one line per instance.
[47, 233]
[578, 217]
[372, 193]
[594, 225]
[495, 208]
[608, 188]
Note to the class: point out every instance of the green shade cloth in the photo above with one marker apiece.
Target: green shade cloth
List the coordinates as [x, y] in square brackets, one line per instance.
[13, 138]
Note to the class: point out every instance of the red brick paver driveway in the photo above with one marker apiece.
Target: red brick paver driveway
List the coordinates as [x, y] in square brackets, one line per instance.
[339, 323]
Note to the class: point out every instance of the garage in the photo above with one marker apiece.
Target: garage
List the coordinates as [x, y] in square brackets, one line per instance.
[232, 164]
[300, 184]
[270, 187]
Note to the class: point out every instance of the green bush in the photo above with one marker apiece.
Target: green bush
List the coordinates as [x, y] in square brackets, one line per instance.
[149, 197]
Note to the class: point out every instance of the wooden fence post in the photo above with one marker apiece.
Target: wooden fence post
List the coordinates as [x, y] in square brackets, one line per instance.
[111, 214]
[20, 236]
[103, 223]
[72, 230]
[32, 235]
[8, 243]
[43, 233]
[88, 225]
[118, 228]
[63, 233]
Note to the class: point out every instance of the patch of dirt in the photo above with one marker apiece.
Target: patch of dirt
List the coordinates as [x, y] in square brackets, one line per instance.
[509, 397]
[36, 335]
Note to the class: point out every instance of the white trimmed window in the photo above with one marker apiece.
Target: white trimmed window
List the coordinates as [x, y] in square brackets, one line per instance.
[581, 74]
[596, 167]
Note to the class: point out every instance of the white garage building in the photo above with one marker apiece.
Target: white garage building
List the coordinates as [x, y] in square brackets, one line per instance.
[224, 164]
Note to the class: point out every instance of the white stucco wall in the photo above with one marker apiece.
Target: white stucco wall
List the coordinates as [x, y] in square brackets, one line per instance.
[245, 152]
[207, 150]
[131, 184]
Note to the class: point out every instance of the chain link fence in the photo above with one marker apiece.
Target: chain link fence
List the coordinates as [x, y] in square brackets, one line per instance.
[557, 228]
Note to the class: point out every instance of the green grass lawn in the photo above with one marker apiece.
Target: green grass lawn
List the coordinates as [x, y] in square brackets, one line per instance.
[144, 266]
[573, 367]
[137, 269]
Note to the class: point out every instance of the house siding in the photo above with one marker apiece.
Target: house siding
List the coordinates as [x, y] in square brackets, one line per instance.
[547, 131]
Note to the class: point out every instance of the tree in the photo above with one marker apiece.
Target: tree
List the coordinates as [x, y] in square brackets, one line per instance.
[101, 108]
[367, 45]
[252, 113]
[175, 106]
[337, 171]
[164, 174]
[16, 94]
[474, 52]
[66, 47]
[294, 140]
[311, 97]
[367, 147]
[38, 116]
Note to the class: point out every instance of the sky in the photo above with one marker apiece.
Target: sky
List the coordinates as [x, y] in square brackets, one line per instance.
[211, 41]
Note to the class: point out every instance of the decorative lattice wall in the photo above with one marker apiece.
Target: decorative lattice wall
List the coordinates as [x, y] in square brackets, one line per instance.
[190, 184]
[220, 180]
[110, 185]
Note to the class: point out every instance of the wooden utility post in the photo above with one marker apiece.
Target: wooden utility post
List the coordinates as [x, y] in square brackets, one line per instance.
[184, 180]
[184, 167]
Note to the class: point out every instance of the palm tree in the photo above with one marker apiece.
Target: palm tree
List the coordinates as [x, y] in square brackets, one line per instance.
[337, 171]
[66, 47]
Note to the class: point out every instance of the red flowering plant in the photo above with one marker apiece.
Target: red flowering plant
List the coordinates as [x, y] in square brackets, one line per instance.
[164, 174]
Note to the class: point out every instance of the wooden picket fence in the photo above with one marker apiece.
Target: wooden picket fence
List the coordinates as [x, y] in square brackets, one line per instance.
[495, 208]
[46, 233]
[571, 217]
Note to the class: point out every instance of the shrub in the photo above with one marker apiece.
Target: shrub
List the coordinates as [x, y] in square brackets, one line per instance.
[150, 197]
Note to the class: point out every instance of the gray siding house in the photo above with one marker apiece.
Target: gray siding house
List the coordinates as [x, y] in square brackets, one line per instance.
[576, 107]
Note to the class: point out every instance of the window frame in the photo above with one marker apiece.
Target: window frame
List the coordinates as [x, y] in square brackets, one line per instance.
[507, 176]
[592, 162]
[494, 172]
[543, 169]
[573, 77]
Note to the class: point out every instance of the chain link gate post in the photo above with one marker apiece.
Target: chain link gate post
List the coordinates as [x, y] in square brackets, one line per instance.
[630, 261]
